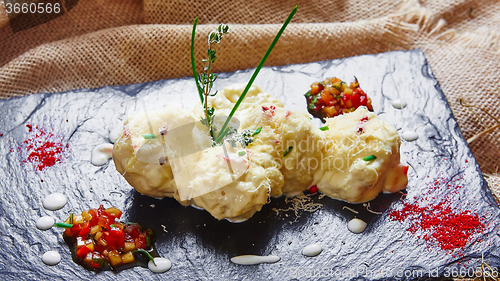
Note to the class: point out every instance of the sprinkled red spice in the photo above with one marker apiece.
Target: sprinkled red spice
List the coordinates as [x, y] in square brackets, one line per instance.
[313, 189]
[43, 149]
[440, 224]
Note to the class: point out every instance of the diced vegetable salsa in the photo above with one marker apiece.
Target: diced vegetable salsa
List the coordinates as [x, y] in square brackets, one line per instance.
[334, 97]
[100, 240]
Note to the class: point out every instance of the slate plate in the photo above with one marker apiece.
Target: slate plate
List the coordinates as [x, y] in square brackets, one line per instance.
[200, 246]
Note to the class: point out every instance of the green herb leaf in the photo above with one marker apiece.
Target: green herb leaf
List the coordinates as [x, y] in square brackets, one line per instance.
[325, 128]
[370, 158]
[308, 94]
[147, 255]
[256, 72]
[101, 262]
[112, 226]
[257, 131]
[338, 89]
[149, 136]
[63, 225]
[287, 151]
[241, 153]
[314, 100]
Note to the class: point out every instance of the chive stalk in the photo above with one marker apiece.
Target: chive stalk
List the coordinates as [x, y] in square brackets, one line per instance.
[287, 151]
[147, 255]
[63, 225]
[193, 63]
[255, 73]
[370, 158]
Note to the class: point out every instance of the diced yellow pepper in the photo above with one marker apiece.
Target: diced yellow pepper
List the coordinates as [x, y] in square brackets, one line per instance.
[114, 258]
[129, 246]
[128, 257]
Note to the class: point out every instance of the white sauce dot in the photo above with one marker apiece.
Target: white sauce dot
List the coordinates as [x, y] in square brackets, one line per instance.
[356, 225]
[409, 135]
[252, 259]
[161, 266]
[51, 258]
[399, 104]
[55, 201]
[101, 154]
[45, 223]
[114, 133]
[312, 250]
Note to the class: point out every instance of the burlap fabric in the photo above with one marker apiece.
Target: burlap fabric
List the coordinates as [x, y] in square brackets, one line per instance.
[112, 42]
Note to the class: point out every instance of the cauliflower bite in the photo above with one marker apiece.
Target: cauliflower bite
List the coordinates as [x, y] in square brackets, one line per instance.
[358, 151]
[354, 160]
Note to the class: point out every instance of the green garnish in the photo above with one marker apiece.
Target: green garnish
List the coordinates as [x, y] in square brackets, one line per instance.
[63, 225]
[71, 218]
[370, 158]
[287, 151]
[241, 153]
[338, 89]
[357, 82]
[325, 128]
[205, 81]
[256, 72]
[193, 64]
[147, 255]
[101, 262]
[314, 101]
[149, 136]
[308, 94]
[257, 131]
[112, 226]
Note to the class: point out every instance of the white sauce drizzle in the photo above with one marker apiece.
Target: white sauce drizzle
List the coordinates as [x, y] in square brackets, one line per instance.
[252, 259]
[45, 223]
[162, 265]
[51, 258]
[312, 250]
[356, 225]
[101, 154]
[399, 104]
[114, 133]
[55, 201]
[409, 135]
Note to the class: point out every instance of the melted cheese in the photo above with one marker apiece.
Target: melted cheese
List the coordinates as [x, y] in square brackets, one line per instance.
[181, 163]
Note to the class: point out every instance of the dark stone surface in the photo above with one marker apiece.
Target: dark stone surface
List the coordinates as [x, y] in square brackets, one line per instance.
[200, 246]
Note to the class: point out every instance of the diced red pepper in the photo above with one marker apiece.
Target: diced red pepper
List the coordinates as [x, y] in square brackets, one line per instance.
[313, 189]
[82, 252]
[95, 217]
[105, 220]
[355, 99]
[75, 229]
[85, 230]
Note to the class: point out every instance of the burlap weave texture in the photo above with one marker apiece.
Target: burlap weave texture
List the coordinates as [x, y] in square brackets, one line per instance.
[116, 42]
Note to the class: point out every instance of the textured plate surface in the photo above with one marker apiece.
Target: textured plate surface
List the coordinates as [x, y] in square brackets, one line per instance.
[200, 246]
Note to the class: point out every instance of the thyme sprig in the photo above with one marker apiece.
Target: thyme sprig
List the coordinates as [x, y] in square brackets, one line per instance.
[204, 82]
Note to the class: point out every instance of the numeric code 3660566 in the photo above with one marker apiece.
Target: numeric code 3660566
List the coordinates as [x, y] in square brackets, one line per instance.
[33, 8]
